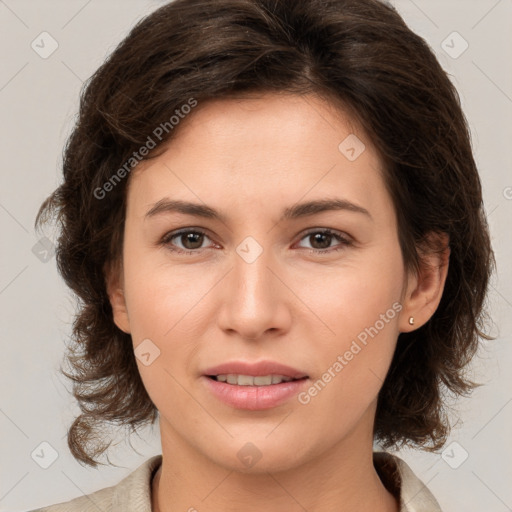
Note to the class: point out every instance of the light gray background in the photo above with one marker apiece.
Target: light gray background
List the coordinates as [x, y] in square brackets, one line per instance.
[38, 102]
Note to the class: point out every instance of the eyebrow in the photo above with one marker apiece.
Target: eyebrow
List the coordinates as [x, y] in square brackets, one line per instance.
[296, 211]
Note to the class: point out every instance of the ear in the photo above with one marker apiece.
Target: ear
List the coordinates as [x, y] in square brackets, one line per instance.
[115, 290]
[425, 288]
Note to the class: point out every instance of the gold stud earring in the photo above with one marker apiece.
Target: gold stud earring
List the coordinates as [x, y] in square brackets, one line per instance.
[411, 320]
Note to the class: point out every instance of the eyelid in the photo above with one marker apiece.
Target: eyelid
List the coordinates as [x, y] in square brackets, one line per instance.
[329, 231]
[344, 239]
[166, 239]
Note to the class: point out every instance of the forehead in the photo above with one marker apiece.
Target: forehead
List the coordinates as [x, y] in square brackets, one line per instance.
[261, 149]
[267, 117]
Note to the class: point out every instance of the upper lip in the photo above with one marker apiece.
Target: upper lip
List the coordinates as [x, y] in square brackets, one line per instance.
[255, 369]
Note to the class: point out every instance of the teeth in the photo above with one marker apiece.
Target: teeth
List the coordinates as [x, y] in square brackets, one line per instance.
[249, 380]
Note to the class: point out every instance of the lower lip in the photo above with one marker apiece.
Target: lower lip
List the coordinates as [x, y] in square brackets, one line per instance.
[254, 398]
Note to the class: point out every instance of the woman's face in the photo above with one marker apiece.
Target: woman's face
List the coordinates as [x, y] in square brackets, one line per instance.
[252, 289]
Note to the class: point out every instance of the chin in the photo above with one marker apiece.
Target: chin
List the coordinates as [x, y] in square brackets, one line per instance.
[257, 455]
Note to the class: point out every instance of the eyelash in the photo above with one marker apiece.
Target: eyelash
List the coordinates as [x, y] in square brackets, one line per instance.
[345, 242]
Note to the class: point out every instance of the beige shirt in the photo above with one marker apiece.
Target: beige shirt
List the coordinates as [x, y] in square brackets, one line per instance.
[133, 493]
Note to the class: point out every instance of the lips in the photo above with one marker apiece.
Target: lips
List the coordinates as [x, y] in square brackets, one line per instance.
[258, 369]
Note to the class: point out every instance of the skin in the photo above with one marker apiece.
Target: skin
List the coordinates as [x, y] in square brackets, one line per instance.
[250, 159]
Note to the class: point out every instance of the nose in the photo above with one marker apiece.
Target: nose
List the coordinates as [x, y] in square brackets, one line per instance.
[254, 301]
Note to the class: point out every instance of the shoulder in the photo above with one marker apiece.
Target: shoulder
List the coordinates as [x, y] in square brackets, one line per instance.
[133, 493]
[400, 480]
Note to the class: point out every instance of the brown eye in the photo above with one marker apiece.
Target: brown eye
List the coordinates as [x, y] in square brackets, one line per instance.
[321, 241]
[191, 240]
[184, 241]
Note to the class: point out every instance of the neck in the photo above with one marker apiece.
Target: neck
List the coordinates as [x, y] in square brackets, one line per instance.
[342, 478]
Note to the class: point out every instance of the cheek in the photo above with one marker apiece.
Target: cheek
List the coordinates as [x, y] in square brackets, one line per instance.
[359, 308]
[167, 310]
[162, 317]
[351, 299]
[162, 299]
[352, 366]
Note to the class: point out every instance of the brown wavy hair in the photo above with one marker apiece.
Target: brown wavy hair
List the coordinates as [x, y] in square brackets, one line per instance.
[357, 54]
